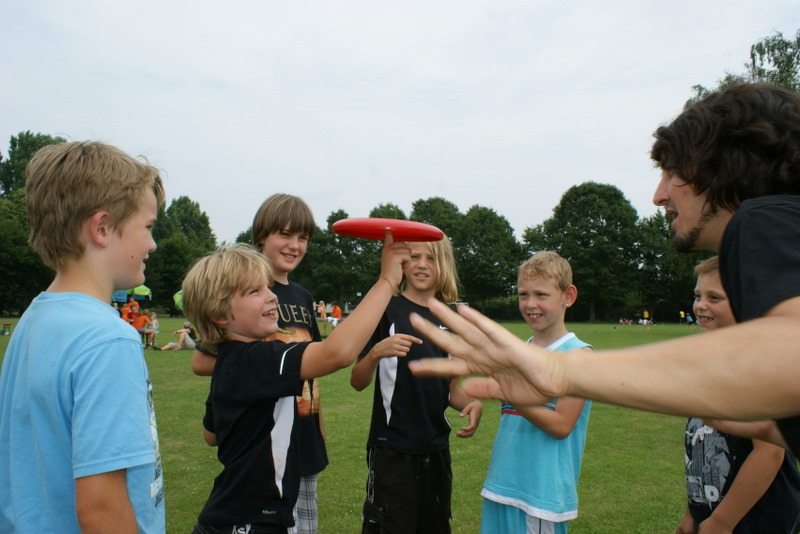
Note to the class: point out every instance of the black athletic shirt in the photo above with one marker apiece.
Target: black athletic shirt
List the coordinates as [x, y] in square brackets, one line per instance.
[251, 408]
[760, 266]
[298, 322]
[408, 412]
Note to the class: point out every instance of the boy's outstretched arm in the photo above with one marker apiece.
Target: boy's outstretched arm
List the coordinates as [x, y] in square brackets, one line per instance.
[364, 369]
[347, 340]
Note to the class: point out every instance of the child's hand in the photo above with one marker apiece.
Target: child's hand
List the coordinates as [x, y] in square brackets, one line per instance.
[474, 409]
[393, 256]
[396, 345]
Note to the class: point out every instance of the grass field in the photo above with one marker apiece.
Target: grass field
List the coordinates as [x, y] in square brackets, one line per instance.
[632, 479]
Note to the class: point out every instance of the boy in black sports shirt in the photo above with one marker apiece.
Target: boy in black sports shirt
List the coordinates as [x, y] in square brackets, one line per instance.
[282, 229]
[251, 408]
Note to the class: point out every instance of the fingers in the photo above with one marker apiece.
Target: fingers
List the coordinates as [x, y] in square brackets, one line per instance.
[482, 388]
[396, 345]
[447, 367]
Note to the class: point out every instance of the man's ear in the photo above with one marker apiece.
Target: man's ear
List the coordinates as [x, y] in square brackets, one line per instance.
[570, 295]
[220, 322]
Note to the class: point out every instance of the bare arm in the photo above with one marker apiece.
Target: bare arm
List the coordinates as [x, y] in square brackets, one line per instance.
[364, 369]
[202, 364]
[347, 340]
[556, 423]
[103, 505]
[754, 364]
[210, 438]
[751, 482]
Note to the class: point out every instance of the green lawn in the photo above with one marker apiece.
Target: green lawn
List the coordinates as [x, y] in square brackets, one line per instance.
[632, 478]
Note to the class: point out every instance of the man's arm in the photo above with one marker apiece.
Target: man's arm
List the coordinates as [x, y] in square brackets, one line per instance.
[103, 505]
[755, 366]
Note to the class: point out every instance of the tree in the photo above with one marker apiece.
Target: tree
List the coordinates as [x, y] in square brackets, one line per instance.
[594, 228]
[666, 277]
[439, 212]
[182, 234]
[22, 275]
[487, 255]
[193, 223]
[21, 148]
[776, 60]
[773, 60]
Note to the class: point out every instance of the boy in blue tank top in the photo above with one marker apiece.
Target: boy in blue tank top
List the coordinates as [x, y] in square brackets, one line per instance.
[531, 486]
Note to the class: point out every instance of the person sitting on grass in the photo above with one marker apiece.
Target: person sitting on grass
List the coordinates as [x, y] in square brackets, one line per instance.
[186, 338]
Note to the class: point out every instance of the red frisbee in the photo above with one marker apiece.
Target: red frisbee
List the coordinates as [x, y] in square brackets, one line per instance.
[374, 228]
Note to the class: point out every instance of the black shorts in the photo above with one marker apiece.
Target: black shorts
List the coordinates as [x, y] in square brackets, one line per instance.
[407, 493]
[201, 528]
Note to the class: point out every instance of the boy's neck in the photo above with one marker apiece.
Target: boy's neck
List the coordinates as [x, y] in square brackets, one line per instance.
[281, 277]
[544, 338]
[75, 278]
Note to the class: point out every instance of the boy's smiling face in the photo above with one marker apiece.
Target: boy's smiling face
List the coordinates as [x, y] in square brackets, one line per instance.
[285, 250]
[542, 303]
[253, 314]
[711, 306]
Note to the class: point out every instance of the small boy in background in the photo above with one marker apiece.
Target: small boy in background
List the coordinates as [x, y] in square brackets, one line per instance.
[78, 442]
[733, 484]
[251, 410]
[531, 485]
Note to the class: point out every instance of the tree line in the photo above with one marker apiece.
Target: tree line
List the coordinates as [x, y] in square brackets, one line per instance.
[622, 263]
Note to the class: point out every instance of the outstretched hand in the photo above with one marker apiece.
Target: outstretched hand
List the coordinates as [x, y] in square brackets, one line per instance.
[514, 371]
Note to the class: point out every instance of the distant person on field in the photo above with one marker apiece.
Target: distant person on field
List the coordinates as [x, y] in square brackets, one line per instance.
[409, 485]
[251, 411]
[336, 314]
[323, 316]
[733, 484]
[532, 483]
[186, 338]
[282, 229]
[154, 326]
[78, 442]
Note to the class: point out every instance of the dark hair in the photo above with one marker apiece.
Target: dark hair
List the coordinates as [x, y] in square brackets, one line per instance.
[279, 212]
[736, 144]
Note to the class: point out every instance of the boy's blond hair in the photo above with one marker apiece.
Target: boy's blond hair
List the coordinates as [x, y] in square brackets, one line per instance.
[549, 265]
[447, 275]
[282, 211]
[213, 280]
[67, 183]
[707, 266]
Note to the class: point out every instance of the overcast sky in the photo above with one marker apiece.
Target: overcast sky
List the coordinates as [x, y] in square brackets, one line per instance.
[352, 104]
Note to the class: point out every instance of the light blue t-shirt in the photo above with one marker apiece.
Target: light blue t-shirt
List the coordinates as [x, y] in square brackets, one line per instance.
[530, 469]
[75, 401]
